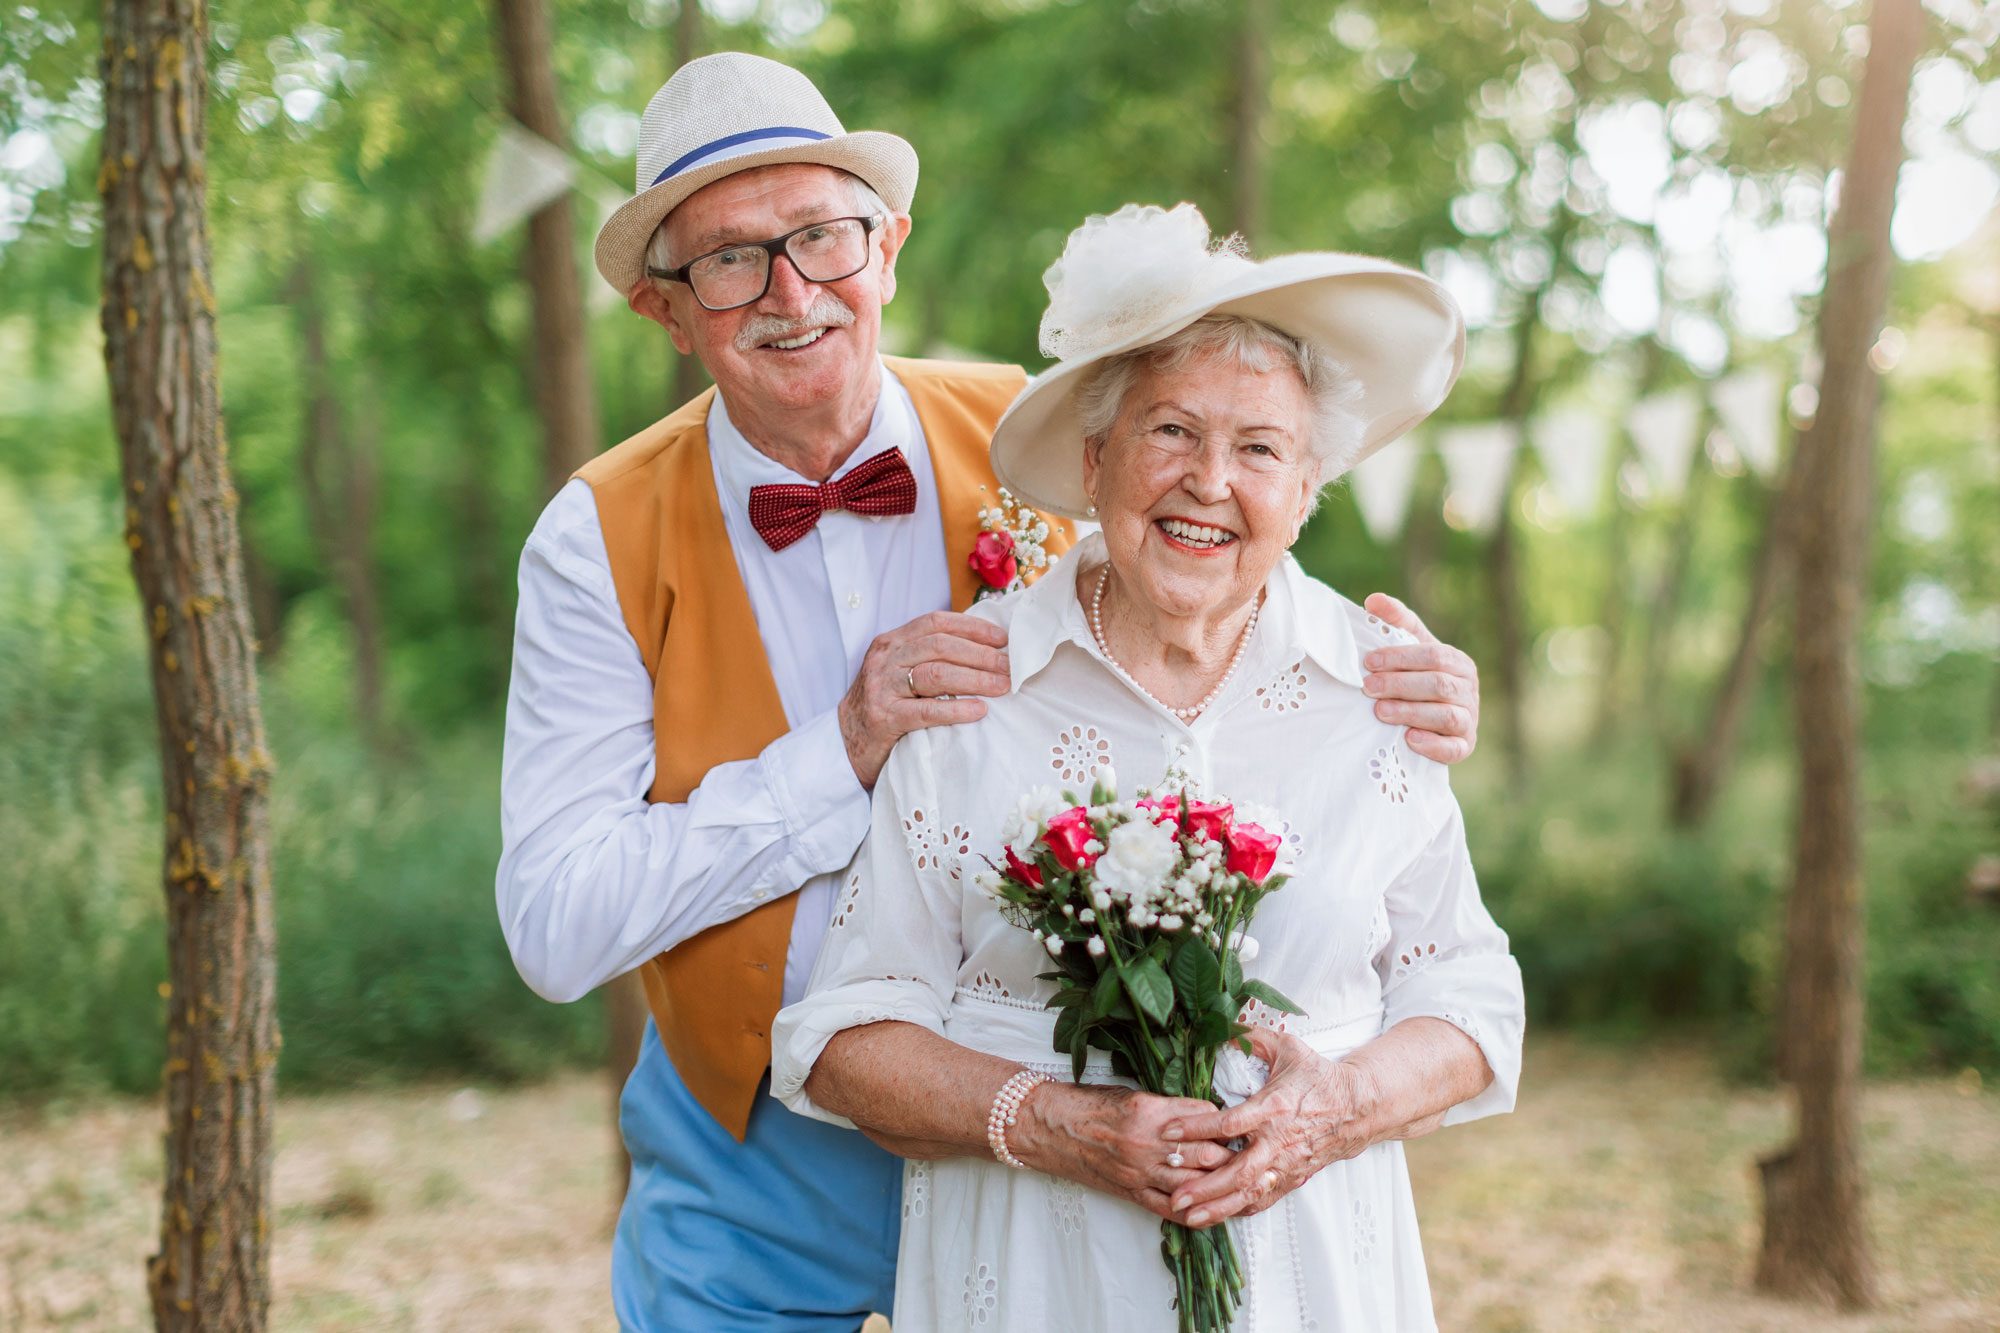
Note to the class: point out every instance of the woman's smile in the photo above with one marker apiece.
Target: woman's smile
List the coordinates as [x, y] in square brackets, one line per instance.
[1195, 538]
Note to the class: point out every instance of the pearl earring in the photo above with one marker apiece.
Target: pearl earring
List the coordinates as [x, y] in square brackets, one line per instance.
[1091, 510]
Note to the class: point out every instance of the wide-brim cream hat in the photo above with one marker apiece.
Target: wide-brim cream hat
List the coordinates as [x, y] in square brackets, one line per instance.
[1145, 273]
[727, 113]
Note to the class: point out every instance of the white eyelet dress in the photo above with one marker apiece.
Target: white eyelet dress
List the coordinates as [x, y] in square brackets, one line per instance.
[1381, 922]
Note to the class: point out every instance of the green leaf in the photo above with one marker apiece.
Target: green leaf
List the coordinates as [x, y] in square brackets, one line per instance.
[1196, 973]
[1173, 1080]
[1269, 996]
[1151, 991]
[1068, 1024]
[1232, 974]
[1104, 997]
[1211, 1029]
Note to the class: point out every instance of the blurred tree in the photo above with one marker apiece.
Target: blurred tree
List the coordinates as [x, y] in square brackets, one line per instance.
[158, 315]
[337, 478]
[689, 378]
[1815, 1238]
[565, 395]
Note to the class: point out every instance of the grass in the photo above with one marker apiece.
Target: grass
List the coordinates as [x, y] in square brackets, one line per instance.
[1620, 1195]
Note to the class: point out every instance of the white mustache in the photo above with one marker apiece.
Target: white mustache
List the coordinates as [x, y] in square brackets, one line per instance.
[828, 312]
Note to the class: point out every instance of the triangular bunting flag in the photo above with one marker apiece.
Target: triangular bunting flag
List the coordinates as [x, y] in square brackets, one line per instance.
[1749, 403]
[1478, 462]
[1573, 443]
[523, 172]
[1382, 485]
[1663, 429]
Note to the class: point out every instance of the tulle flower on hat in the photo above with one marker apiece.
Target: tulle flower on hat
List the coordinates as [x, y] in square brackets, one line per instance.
[1121, 274]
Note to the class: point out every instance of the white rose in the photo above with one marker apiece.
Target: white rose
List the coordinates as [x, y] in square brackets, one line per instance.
[1137, 860]
[1031, 811]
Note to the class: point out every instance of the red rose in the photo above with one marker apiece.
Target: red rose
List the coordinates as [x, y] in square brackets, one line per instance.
[1210, 817]
[1068, 832]
[993, 560]
[1252, 851]
[1161, 809]
[1021, 870]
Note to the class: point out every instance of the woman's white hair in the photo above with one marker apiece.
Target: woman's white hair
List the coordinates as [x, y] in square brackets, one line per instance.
[1334, 430]
[866, 203]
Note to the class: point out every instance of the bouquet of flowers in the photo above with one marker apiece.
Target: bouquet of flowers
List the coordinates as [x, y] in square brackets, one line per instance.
[1144, 906]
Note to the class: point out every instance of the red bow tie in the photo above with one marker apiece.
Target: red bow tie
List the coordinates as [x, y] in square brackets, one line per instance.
[786, 512]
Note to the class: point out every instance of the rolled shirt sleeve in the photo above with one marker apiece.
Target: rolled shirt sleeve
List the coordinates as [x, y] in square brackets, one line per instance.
[1446, 958]
[593, 878]
[894, 946]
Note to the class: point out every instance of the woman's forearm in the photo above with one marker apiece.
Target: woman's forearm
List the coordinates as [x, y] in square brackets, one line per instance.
[1412, 1074]
[913, 1092]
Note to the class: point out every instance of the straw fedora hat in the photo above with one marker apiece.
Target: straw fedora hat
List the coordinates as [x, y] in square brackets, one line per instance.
[1145, 273]
[727, 113]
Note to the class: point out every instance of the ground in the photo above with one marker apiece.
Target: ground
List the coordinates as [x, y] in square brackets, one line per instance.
[1621, 1195]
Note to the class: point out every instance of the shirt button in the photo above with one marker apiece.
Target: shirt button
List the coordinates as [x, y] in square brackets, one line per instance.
[854, 601]
[759, 896]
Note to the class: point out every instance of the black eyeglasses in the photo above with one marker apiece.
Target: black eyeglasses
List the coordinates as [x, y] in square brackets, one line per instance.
[821, 252]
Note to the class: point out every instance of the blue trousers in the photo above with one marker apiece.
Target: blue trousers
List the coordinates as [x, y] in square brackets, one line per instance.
[793, 1230]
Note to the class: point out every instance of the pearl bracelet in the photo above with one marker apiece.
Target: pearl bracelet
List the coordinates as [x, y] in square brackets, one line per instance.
[1007, 1109]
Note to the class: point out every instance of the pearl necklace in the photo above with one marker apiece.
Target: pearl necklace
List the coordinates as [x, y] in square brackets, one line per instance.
[1196, 709]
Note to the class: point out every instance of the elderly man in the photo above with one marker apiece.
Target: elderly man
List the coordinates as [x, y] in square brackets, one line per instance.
[725, 624]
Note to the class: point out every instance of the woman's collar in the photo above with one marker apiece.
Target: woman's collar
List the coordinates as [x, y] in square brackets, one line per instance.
[1301, 616]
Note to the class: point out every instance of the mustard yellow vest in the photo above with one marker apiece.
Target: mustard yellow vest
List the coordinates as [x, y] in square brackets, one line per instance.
[714, 699]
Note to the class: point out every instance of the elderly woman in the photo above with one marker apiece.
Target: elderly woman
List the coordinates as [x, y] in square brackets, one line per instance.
[1200, 404]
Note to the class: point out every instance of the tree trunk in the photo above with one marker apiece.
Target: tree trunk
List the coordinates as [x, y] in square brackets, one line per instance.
[1815, 1240]
[565, 397]
[1703, 763]
[1664, 612]
[213, 1268]
[1503, 583]
[337, 479]
[689, 376]
[1246, 163]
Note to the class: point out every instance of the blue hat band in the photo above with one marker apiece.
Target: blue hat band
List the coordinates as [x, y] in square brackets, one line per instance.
[719, 149]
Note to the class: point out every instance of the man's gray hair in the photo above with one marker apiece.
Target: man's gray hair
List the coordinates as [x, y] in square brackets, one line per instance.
[866, 203]
[1334, 431]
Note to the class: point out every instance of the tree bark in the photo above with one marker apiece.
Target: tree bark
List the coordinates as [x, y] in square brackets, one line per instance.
[690, 378]
[213, 1267]
[1664, 612]
[1503, 583]
[1702, 764]
[1246, 165]
[565, 396]
[337, 479]
[1815, 1239]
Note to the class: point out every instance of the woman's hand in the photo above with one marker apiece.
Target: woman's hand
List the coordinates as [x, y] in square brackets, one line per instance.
[1312, 1112]
[1113, 1140]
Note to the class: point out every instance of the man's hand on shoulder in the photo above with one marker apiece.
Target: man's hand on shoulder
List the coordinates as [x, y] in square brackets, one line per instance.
[1430, 687]
[905, 677]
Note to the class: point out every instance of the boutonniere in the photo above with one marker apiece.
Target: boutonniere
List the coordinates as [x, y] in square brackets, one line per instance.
[1008, 553]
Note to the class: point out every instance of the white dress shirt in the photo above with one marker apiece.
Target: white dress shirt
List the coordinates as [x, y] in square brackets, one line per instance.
[593, 878]
[1381, 922]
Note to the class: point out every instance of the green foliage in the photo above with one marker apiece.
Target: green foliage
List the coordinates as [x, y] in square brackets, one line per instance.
[391, 962]
[347, 145]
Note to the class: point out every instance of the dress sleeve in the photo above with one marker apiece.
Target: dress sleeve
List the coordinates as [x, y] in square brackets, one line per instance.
[894, 946]
[1447, 958]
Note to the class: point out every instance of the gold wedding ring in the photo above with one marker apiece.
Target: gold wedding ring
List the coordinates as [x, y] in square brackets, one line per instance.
[910, 674]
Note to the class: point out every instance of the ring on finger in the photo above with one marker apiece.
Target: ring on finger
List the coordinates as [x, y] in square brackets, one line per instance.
[910, 675]
[1267, 1182]
[1174, 1158]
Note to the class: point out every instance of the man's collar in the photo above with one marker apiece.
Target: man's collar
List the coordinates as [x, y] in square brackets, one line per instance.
[740, 465]
[1301, 615]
